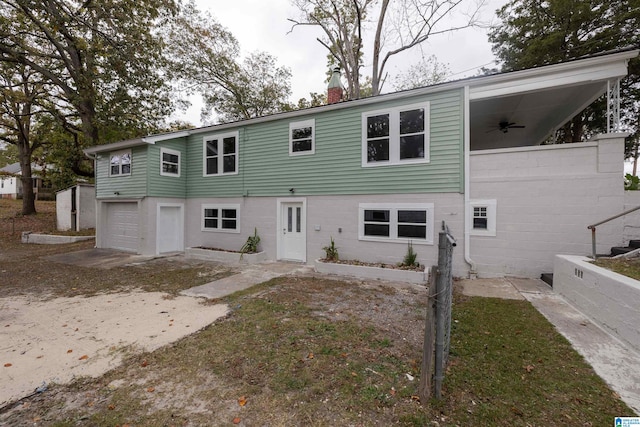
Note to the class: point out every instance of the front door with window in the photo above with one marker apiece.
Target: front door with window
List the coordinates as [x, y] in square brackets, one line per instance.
[293, 236]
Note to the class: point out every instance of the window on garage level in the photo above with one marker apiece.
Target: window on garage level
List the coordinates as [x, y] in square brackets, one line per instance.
[396, 222]
[120, 163]
[224, 218]
[169, 162]
[396, 136]
[220, 154]
[483, 217]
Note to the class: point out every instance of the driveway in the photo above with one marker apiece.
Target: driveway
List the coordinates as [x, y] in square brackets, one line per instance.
[58, 340]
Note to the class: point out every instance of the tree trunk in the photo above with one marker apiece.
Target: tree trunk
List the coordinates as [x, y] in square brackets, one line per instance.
[28, 196]
[577, 128]
[375, 73]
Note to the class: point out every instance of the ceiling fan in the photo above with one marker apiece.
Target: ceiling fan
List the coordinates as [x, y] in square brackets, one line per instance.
[505, 125]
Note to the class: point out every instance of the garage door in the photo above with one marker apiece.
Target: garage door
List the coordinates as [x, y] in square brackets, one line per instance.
[122, 226]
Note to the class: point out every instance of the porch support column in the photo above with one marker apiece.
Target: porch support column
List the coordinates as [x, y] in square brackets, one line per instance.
[613, 106]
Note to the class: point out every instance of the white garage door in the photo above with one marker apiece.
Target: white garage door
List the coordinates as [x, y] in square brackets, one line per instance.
[122, 226]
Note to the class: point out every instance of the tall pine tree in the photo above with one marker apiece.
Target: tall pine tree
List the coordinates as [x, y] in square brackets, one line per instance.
[535, 33]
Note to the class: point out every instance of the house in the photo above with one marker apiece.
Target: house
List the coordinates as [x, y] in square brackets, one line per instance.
[11, 183]
[377, 173]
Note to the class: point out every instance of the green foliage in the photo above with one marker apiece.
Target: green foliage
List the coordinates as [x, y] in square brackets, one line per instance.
[331, 251]
[207, 59]
[251, 245]
[631, 182]
[99, 68]
[534, 33]
[409, 259]
[8, 155]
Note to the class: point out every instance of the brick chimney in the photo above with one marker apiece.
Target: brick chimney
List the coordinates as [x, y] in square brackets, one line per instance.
[334, 91]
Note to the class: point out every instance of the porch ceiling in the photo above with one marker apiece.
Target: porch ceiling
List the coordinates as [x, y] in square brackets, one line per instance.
[541, 112]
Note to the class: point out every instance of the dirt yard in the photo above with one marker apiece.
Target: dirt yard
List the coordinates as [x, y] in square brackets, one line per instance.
[301, 351]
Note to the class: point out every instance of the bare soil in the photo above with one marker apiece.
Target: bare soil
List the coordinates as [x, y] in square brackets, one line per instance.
[308, 351]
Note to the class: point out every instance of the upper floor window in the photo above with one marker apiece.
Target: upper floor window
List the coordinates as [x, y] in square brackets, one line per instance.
[302, 138]
[120, 163]
[221, 154]
[169, 162]
[396, 136]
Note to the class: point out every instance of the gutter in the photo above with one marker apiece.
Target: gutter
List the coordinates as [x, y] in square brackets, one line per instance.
[467, 187]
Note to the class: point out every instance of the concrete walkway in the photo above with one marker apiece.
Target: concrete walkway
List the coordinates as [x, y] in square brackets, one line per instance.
[251, 275]
[616, 363]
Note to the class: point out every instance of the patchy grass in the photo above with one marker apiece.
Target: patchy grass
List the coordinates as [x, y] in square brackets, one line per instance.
[25, 270]
[509, 366]
[628, 267]
[305, 351]
[308, 351]
[13, 223]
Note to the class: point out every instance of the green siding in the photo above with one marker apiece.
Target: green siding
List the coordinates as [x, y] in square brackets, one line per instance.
[266, 169]
[134, 185]
[167, 186]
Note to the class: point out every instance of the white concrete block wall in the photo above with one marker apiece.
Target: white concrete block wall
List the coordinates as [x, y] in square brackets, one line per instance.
[546, 197]
[330, 213]
[608, 298]
[631, 221]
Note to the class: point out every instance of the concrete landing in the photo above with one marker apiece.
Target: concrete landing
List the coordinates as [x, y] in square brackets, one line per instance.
[616, 363]
[250, 276]
[99, 258]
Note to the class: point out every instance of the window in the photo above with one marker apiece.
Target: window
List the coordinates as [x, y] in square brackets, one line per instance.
[224, 218]
[120, 163]
[302, 138]
[221, 154]
[480, 217]
[169, 162]
[396, 136]
[396, 222]
[483, 217]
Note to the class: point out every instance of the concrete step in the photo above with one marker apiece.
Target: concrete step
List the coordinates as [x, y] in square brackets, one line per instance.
[547, 278]
[619, 250]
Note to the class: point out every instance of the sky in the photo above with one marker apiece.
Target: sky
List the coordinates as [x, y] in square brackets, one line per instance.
[263, 26]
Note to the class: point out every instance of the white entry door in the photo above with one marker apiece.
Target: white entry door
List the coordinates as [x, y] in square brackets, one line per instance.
[293, 236]
[169, 235]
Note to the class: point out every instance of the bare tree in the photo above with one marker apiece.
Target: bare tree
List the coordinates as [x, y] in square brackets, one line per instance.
[399, 26]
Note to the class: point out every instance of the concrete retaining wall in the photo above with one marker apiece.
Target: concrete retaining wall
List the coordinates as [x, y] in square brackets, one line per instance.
[51, 239]
[224, 256]
[631, 221]
[376, 273]
[611, 300]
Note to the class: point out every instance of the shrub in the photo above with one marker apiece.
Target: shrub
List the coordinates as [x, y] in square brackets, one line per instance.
[331, 251]
[251, 245]
[410, 257]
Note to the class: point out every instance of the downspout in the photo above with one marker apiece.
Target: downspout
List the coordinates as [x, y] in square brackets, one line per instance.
[94, 157]
[467, 186]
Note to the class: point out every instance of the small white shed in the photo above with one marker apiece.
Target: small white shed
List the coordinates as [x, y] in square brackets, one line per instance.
[76, 208]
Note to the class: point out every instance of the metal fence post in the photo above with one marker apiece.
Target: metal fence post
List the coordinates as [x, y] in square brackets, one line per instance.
[440, 319]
